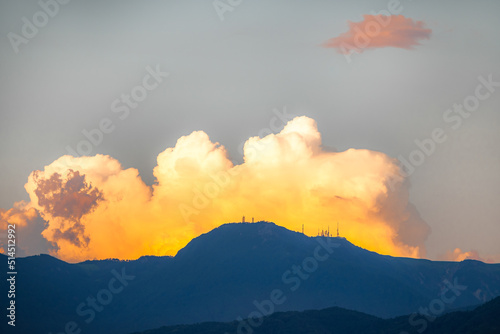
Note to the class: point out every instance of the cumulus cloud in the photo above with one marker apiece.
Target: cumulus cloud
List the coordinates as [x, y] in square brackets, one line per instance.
[20, 214]
[28, 226]
[458, 255]
[108, 208]
[379, 31]
[95, 209]
[68, 198]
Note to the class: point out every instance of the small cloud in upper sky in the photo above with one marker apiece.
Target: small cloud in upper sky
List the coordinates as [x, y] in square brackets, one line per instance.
[379, 31]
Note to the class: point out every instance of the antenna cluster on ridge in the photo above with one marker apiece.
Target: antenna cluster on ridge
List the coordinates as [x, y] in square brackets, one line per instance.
[322, 233]
[243, 219]
[325, 233]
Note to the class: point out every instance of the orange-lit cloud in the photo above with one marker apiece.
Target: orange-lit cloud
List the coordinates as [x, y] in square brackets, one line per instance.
[69, 199]
[380, 31]
[20, 215]
[458, 255]
[28, 226]
[95, 209]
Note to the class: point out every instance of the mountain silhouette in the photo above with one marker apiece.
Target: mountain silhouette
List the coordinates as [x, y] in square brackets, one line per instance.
[484, 320]
[235, 270]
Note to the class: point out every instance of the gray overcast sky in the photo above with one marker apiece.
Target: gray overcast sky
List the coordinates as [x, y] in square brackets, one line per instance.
[226, 77]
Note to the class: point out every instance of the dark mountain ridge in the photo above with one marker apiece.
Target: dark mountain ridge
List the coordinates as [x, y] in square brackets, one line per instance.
[334, 320]
[223, 274]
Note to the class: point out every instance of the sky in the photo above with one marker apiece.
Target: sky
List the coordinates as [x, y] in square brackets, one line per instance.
[174, 92]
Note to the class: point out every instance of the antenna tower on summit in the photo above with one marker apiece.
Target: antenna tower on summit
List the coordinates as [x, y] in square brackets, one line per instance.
[337, 229]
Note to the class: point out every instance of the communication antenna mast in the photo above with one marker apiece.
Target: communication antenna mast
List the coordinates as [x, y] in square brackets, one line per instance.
[302, 228]
[337, 229]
